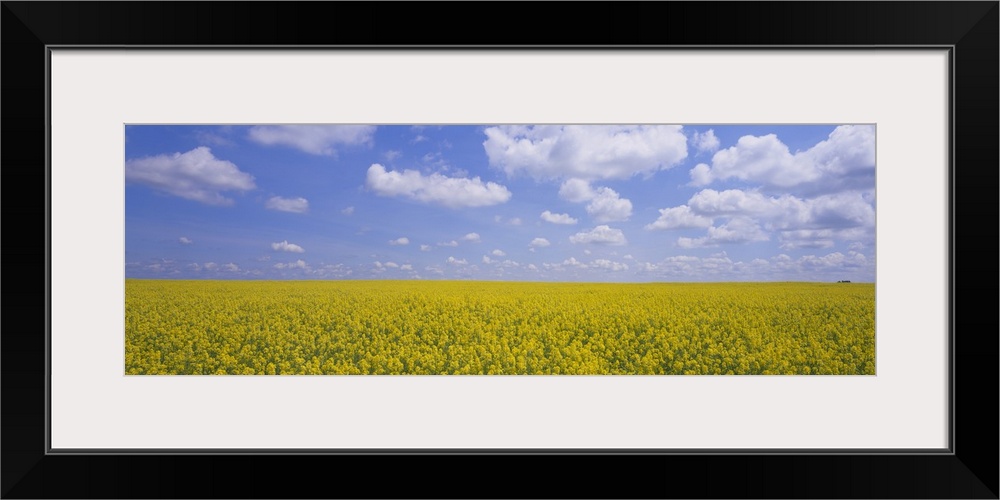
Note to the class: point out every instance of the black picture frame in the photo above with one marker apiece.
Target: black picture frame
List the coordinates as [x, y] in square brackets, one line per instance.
[968, 470]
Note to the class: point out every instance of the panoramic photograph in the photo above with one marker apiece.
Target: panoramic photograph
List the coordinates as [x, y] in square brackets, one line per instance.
[499, 249]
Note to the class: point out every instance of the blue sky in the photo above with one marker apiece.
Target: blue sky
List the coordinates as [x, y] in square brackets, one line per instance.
[501, 202]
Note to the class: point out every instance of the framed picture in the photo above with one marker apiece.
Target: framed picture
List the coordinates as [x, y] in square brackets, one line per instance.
[146, 135]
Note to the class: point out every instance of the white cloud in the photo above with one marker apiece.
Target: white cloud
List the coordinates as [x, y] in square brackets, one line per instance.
[602, 234]
[425, 248]
[457, 262]
[679, 218]
[705, 141]
[499, 253]
[605, 203]
[403, 240]
[550, 152]
[295, 205]
[285, 246]
[834, 260]
[573, 262]
[608, 207]
[451, 243]
[532, 267]
[609, 265]
[313, 139]
[826, 238]
[185, 240]
[392, 265]
[471, 237]
[516, 221]
[540, 242]
[211, 266]
[406, 267]
[834, 266]
[231, 267]
[587, 252]
[391, 155]
[299, 264]
[451, 192]
[802, 222]
[839, 210]
[557, 218]
[575, 190]
[347, 211]
[789, 242]
[195, 175]
[845, 159]
[487, 259]
[737, 230]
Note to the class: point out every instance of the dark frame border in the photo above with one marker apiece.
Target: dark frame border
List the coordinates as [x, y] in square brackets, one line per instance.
[968, 471]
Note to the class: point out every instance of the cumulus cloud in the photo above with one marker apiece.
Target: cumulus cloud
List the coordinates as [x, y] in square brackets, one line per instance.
[451, 243]
[705, 141]
[211, 266]
[391, 154]
[825, 238]
[295, 205]
[801, 222]
[425, 248]
[848, 215]
[348, 211]
[516, 221]
[499, 253]
[313, 139]
[451, 192]
[602, 235]
[231, 267]
[575, 190]
[299, 264]
[487, 259]
[457, 262]
[551, 152]
[607, 206]
[195, 175]
[548, 216]
[471, 237]
[719, 266]
[285, 246]
[737, 230]
[403, 240]
[609, 265]
[845, 159]
[392, 265]
[539, 242]
[185, 240]
[406, 267]
[679, 218]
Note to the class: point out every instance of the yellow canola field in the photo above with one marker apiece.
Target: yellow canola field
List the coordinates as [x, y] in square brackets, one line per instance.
[503, 328]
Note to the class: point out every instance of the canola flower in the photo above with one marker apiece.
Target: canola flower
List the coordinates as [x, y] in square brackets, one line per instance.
[497, 328]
